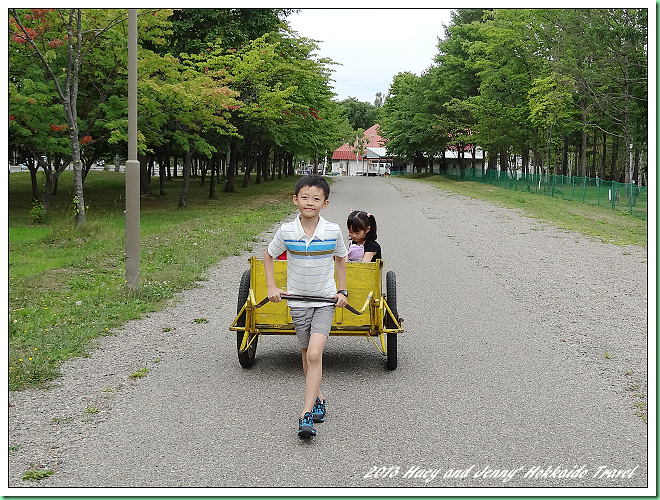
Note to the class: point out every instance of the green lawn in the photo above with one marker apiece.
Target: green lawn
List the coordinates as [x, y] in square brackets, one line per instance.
[67, 285]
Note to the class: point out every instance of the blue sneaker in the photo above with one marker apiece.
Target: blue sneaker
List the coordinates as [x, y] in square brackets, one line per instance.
[318, 412]
[306, 426]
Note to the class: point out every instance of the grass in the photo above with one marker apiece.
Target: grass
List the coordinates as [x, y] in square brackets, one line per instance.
[610, 226]
[140, 373]
[36, 475]
[67, 285]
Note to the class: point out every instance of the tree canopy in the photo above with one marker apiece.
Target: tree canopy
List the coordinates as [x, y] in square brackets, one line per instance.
[212, 83]
[553, 87]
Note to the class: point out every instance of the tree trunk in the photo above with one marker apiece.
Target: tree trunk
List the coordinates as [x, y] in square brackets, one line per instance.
[593, 156]
[87, 165]
[247, 162]
[289, 164]
[564, 156]
[214, 160]
[33, 168]
[144, 175]
[503, 161]
[187, 166]
[256, 159]
[461, 161]
[203, 168]
[615, 156]
[229, 185]
[492, 160]
[604, 158]
[583, 146]
[264, 155]
[161, 173]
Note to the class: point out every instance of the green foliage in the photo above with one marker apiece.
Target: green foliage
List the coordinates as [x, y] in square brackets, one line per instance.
[193, 30]
[38, 212]
[360, 114]
[35, 475]
[206, 76]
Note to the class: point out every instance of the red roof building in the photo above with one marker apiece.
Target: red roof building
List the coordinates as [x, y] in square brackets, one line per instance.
[345, 152]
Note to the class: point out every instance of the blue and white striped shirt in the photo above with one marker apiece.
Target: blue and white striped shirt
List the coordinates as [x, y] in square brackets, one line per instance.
[310, 262]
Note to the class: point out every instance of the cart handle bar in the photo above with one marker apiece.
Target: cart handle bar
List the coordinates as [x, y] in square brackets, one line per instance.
[330, 300]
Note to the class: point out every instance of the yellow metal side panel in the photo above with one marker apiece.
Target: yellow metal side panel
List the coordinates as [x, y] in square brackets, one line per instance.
[270, 313]
[361, 278]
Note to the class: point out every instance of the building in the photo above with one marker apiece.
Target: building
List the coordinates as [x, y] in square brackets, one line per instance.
[345, 160]
[452, 161]
[375, 161]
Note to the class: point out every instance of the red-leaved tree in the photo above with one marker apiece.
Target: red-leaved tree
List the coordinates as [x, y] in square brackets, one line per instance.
[64, 37]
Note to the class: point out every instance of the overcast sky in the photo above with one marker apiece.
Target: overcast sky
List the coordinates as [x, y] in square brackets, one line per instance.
[373, 45]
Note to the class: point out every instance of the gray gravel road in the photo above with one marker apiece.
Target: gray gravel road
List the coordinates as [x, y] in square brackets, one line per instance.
[503, 380]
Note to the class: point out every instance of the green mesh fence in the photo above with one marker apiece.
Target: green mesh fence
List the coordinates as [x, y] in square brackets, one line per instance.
[609, 194]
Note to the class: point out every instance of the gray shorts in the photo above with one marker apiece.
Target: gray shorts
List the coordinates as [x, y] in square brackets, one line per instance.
[308, 320]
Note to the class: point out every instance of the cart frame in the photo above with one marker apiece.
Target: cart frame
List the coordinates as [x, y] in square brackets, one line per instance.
[377, 317]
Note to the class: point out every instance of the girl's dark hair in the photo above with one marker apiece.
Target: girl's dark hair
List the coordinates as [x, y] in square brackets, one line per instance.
[359, 220]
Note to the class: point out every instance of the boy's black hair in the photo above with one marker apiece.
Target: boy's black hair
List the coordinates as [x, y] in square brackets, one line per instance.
[313, 181]
[359, 220]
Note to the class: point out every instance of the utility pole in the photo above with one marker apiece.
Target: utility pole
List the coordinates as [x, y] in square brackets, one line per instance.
[132, 164]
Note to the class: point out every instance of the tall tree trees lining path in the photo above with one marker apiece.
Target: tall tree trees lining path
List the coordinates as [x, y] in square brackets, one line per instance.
[565, 91]
[215, 86]
[222, 90]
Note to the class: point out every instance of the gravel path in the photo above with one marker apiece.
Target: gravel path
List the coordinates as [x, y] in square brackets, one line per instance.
[525, 347]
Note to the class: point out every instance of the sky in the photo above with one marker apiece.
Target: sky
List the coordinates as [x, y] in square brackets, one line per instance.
[373, 45]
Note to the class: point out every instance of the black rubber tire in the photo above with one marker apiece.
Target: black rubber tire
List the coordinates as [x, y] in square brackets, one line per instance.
[246, 357]
[390, 283]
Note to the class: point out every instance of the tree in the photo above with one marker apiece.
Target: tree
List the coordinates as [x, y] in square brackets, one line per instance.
[193, 30]
[359, 114]
[38, 30]
[552, 109]
[412, 120]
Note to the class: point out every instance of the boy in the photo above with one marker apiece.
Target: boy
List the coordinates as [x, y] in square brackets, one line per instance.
[310, 242]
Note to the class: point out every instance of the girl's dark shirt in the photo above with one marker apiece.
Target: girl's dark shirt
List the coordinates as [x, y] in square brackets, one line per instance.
[372, 246]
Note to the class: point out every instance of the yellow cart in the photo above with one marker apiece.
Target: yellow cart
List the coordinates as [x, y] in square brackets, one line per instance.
[377, 319]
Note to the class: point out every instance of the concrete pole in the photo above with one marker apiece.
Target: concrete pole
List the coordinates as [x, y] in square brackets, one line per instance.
[132, 165]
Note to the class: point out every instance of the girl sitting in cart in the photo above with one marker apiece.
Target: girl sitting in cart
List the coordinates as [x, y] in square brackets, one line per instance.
[362, 232]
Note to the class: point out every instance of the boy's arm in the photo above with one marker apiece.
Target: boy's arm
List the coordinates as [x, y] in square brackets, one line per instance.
[274, 293]
[340, 269]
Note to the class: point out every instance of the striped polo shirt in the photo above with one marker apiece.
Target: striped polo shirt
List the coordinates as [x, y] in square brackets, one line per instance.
[310, 262]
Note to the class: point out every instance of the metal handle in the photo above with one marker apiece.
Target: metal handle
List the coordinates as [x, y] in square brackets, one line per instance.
[330, 300]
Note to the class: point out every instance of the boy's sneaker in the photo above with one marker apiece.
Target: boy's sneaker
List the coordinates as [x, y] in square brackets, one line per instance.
[306, 426]
[318, 412]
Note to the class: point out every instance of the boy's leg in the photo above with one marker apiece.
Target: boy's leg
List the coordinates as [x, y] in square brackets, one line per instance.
[313, 368]
[304, 363]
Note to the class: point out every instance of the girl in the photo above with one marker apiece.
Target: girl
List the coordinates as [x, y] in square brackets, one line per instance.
[362, 231]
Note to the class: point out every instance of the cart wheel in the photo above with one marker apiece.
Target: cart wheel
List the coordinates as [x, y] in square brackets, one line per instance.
[390, 281]
[246, 357]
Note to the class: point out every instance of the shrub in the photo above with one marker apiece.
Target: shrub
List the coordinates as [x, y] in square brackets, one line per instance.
[38, 212]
